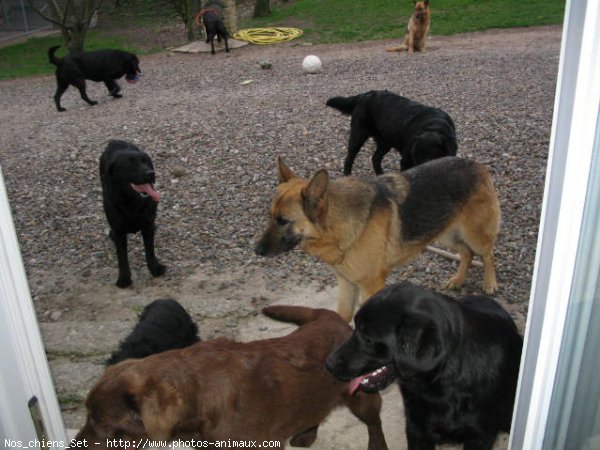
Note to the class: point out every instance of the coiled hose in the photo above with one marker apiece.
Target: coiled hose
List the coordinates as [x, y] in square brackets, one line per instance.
[269, 35]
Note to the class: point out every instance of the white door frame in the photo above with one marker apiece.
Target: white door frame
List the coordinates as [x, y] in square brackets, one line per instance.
[24, 368]
[574, 127]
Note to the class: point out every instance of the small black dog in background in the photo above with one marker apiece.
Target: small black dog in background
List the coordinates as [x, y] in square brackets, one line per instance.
[130, 202]
[212, 18]
[163, 325]
[100, 65]
[419, 132]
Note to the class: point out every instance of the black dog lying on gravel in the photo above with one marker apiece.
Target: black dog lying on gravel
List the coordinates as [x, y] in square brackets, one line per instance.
[456, 361]
[130, 202]
[419, 132]
[163, 325]
[100, 65]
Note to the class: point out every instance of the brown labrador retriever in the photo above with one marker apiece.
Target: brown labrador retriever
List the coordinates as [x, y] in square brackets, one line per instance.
[219, 390]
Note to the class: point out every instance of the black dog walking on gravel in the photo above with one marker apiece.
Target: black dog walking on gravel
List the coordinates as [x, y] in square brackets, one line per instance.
[130, 202]
[419, 132]
[101, 66]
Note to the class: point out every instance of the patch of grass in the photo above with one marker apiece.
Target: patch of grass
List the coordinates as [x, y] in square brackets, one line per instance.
[335, 21]
[72, 355]
[324, 22]
[31, 57]
[66, 399]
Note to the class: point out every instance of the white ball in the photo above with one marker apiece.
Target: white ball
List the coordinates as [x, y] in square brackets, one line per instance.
[311, 64]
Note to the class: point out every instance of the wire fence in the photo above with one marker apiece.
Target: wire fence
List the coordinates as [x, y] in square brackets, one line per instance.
[18, 18]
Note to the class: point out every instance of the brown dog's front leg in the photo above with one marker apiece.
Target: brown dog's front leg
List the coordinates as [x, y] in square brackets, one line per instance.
[366, 407]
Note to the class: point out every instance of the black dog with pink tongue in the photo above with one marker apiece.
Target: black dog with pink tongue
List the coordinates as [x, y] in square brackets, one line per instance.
[456, 362]
[130, 202]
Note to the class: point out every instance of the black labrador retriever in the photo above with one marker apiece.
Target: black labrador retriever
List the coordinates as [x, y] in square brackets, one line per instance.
[419, 132]
[130, 202]
[212, 18]
[163, 325]
[100, 65]
[456, 361]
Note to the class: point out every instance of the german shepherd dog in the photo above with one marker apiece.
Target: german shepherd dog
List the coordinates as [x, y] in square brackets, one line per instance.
[363, 227]
[417, 29]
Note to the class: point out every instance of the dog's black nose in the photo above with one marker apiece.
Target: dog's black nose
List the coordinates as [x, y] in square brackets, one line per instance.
[260, 249]
[150, 176]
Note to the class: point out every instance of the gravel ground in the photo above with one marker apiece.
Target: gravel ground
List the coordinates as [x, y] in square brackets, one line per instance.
[214, 140]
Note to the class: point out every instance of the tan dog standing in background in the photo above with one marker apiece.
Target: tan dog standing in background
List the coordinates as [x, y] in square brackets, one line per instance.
[417, 29]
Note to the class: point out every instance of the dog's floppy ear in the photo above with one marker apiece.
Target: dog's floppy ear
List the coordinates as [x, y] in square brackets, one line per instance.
[284, 172]
[420, 347]
[160, 409]
[314, 202]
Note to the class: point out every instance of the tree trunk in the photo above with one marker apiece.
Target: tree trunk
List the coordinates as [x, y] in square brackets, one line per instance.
[76, 40]
[262, 8]
[231, 17]
[72, 17]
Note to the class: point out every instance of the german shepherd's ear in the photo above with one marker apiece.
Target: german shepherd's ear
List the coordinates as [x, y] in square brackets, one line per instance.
[313, 196]
[284, 172]
[426, 3]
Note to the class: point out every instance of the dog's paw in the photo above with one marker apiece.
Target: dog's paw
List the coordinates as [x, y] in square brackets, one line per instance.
[61, 109]
[124, 282]
[158, 270]
[454, 283]
[490, 288]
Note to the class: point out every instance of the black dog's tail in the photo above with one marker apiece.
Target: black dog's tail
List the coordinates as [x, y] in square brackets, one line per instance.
[53, 59]
[294, 314]
[344, 104]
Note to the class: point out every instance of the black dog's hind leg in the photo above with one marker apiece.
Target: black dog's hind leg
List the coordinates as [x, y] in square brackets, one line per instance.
[226, 43]
[380, 151]
[80, 85]
[113, 88]
[62, 86]
[120, 241]
[211, 38]
[156, 269]
[355, 143]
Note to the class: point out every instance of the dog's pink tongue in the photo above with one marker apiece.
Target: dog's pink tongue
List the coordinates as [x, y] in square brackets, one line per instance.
[354, 384]
[148, 190]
